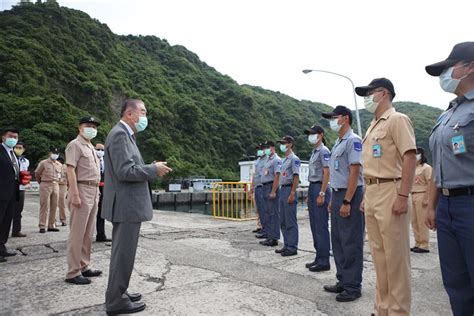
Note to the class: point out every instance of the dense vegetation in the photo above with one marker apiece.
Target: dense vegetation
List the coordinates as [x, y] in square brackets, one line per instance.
[58, 64]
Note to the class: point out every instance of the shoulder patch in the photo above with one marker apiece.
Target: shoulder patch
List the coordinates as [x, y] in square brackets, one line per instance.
[326, 157]
[357, 146]
[279, 162]
[297, 162]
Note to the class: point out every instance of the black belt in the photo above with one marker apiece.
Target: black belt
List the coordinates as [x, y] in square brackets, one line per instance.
[287, 185]
[265, 183]
[315, 182]
[259, 185]
[457, 192]
[338, 189]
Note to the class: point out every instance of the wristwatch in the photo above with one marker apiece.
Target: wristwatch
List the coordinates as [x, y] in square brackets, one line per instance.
[346, 202]
[322, 193]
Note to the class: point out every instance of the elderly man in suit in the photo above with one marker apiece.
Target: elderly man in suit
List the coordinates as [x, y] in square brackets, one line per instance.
[127, 203]
[9, 187]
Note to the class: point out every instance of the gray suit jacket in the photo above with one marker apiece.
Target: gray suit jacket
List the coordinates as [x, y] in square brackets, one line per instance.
[126, 192]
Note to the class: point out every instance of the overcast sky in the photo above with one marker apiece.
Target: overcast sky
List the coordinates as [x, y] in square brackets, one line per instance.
[268, 43]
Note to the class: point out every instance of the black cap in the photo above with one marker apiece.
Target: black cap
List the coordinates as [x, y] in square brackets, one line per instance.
[315, 129]
[89, 119]
[376, 83]
[54, 150]
[259, 146]
[461, 52]
[267, 144]
[286, 139]
[339, 110]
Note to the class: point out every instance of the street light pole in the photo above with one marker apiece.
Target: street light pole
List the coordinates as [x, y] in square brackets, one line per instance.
[359, 129]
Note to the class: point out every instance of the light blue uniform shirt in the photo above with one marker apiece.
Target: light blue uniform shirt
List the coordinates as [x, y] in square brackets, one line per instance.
[346, 152]
[452, 144]
[271, 168]
[290, 167]
[257, 176]
[319, 160]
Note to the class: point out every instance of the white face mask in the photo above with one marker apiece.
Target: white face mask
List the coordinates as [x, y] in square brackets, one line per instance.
[54, 156]
[100, 153]
[89, 133]
[369, 103]
[418, 157]
[313, 138]
[334, 125]
[447, 82]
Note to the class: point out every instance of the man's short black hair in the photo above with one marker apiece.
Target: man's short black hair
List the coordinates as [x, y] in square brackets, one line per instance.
[10, 129]
[129, 104]
[21, 144]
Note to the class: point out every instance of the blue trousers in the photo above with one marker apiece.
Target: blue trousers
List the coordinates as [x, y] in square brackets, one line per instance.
[318, 220]
[455, 223]
[288, 223]
[347, 236]
[262, 214]
[271, 207]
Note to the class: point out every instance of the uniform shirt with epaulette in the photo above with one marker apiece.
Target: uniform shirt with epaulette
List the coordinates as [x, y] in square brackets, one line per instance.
[319, 159]
[452, 144]
[259, 165]
[346, 152]
[290, 167]
[271, 168]
[48, 170]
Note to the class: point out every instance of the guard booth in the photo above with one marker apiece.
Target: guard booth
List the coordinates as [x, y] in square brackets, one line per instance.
[233, 201]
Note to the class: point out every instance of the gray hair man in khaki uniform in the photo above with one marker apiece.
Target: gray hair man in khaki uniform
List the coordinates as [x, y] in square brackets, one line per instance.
[389, 158]
[62, 192]
[83, 177]
[47, 174]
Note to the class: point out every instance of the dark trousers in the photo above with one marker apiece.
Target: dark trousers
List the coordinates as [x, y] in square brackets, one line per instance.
[455, 223]
[100, 222]
[271, 207]
[16, 226]
[262, 214]
[124, 248]
[7, 207]
[288, 222]
[319, 222]
[347, 236]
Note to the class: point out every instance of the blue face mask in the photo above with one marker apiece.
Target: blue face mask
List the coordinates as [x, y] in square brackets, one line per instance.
[268, 151]
[259, 153]
[11, 142]
[141, 124]
[283, 148]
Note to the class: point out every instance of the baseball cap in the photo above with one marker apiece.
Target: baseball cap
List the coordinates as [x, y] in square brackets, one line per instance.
[339, 110]
[89, 119]
[268, 143]
[54, 150]
[286, 139]
[315, 129]
[460, 52]
[376, 83]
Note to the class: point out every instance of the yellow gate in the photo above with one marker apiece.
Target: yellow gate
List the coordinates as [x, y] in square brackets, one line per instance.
[233, 201]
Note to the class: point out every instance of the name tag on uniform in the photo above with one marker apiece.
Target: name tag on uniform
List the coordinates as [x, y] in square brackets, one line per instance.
[265, 172]
[377, 151]
[284, 174]
[457, 142]
[336, 164]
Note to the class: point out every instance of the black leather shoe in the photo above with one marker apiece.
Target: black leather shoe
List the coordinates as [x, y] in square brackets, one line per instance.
[7, 253]
[63, 224]
[53, 229]
[319, 268]
[288, 253]
[3, 259]
[79, 280]
[420, 250]
[18, 234]
[42, 230]
[283, 249]
[261, 236]
[134, 297]
[130, 309]
[91, 273]
[310, 264]
[333, 288]
[102, 239]
[413, 248]
[270, 242]
[347, 297]
[258, 230]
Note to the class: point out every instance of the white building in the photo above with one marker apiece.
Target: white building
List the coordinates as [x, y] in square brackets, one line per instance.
[247, 169]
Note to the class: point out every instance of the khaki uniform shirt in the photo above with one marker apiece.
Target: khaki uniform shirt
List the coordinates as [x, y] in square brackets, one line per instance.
[81, 155]
[386, 141]
[63, 179]
[48, 170]
[422, 178]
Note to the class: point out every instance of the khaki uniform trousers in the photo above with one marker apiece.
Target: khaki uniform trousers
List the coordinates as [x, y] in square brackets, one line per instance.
[390, 246]
[421, 232]
[49, 193]
[81, 230]
[62, 202]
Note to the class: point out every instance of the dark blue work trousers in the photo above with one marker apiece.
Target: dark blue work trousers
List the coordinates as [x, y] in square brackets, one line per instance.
[271, 208]
[288, 222]
[318, 220]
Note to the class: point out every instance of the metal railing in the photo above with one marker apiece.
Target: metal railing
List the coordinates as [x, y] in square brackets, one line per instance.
[233, 201]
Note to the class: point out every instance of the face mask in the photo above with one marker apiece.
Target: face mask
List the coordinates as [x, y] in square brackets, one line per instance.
[313, 138]
[334, 125]
[418, 157]
[268, 151]
[54, 156]
[141, 124]
[89, 133]
[283, 148]
[19, 152]
[11, 142]
[100, 153]
[369, 103]
[447, 82]
[259, 153]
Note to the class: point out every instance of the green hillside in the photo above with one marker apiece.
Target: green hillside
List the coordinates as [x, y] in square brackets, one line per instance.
[58, 64]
